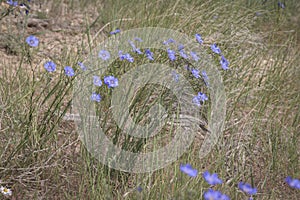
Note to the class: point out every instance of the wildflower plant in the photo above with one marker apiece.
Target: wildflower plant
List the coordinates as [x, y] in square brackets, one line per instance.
[153, 92]
[128, 75]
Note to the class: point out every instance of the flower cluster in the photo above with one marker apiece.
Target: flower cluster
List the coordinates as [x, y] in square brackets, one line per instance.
[172, 55]
[213, 179]
[19, 6]
[200, 98]
[224, 63]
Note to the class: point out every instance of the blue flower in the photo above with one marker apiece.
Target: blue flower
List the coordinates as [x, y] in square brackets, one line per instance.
[212, 179]
[12, 3]
[200, 98]
[180, 47]
[96, 97]
[121, 55]
[215, 49]
[281, 5]
[198, 38]
[50, 66]
[149, 54]
[97, 81]
[183, 54]
[194, 56]
[215, 195]
[32, 41]
[294, 183]
[171, 54]
[169, 41]
[188, 170]
[137, 50]
[125, 56]
[104, 55]
[224, 63]
[195, 73]
[128, 57]
[69, 71]
[82, 66]
[205, 77]
[115, 31]
[111, 81]
[245, 187]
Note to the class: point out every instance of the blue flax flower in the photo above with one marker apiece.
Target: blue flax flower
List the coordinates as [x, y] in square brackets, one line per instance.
[211, 194]
[215, 49]
[169, 41]
[69, 71]
[212, 179]
[171, 54]
[125, 56]
[194, 56]
[111, 81]
[224, 63]
[12, 3]
[188, 170]
[82, 66]
[198, 38]
[104, 55]
[128, 57]
[97, 81]
[245, 187]
[183, 54]
[195, 73]
[294, 183]
[115, 31]
[50, 66]
[200, 98]
[96, 97]
[32, 41]
[149, 54]
[180, 47]
[121, 55]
